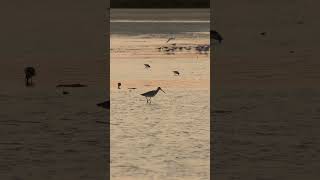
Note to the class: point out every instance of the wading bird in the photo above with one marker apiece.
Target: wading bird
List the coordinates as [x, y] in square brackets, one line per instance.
[151, 94]
[29, 72]
[105, 104]
[216, 36]
[176, 73]
[119, 85]
[147, 66]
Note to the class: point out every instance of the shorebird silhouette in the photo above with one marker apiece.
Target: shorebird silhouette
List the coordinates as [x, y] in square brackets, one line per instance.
[119, 85]
[147, 66]
[151, 94]
[216, 36]
[105, 104]
[29, 72]
[176, 73]
[65, 92]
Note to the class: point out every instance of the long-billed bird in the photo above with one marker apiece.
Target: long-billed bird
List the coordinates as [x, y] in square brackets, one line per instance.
[151, 94]
[176, 73]
[216, 36]
[29, 73]
[147, 66]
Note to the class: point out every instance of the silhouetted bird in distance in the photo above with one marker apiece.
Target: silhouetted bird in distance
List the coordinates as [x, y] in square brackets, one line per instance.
[263, 33]
[176, 73]
[105, 104]
[147, 66]
[65, 92]
[216, 36]
[151, 94]
[29, 73]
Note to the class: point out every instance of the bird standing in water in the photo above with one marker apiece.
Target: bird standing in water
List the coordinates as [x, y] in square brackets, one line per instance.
[119, 85]
[151, 94]
[29, 72]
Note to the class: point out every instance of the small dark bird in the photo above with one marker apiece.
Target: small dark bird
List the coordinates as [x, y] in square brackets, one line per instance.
[147, 66]
[151, 94]
[176, 73]
[119, 85]
[216, 36]
[263, 33]
[29, 72]
[65, 92]
[105, 104]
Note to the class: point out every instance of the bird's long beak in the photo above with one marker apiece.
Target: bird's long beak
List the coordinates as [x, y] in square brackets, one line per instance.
[162, 90]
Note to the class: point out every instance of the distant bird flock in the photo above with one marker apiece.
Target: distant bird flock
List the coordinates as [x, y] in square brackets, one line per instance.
[173, 48]
[170, 49]
[30, 72]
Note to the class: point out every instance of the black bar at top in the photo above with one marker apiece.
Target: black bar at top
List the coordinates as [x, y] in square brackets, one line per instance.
[160, 3]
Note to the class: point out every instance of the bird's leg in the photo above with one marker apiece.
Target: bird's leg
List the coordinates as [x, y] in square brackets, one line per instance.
[26, 81]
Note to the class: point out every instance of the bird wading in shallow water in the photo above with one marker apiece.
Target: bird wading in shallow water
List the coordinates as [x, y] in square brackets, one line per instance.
[151, 94]
[29, 72]
[119, 85]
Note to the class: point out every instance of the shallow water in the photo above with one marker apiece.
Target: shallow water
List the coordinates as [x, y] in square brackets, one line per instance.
[169, 138]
